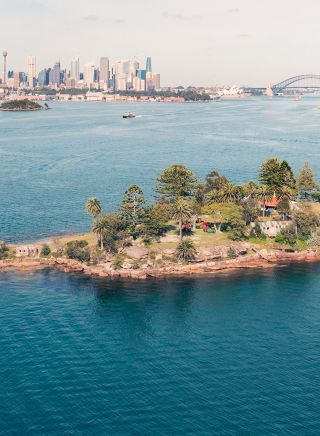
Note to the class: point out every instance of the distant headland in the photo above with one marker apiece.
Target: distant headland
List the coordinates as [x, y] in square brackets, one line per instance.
[22, 105]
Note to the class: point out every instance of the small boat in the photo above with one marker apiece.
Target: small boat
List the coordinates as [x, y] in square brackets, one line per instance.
[128, 115]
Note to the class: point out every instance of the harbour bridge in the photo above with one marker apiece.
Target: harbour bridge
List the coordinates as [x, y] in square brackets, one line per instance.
[308, 82]
[305, 81]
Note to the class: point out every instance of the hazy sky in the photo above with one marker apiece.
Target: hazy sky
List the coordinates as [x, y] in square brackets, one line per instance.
[198, 42]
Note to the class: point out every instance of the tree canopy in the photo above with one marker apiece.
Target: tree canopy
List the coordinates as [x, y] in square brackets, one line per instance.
[176, 181]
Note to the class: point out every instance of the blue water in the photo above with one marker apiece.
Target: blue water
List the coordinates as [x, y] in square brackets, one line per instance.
[52, 161]
[232, 354]
[226, 355]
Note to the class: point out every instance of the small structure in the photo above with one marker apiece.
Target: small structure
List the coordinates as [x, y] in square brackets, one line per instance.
[27, 251]
[270, 206]
[272, 228]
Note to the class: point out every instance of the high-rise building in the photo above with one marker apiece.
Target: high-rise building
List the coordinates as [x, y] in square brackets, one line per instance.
[5, 54]
[55, 75]
[31, 70]
[43, 77]
[156, 81]
[75, 70]
[17, 80]
[149, 65]
[88, 74]
[138, 84]
[104, 70]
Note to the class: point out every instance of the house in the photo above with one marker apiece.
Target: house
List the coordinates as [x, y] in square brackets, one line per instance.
[27, 251]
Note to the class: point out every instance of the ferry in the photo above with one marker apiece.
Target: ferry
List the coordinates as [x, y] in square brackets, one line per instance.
[128, 115]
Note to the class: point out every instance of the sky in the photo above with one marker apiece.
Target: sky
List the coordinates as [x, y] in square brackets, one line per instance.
[192, 42]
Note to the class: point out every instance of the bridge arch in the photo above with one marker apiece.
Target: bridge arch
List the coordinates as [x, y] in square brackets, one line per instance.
[286, 83]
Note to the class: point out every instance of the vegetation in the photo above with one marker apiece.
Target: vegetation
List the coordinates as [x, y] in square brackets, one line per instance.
[45, 250]
[93, 207]
[186, 250]
[78, 250]
[4, 252]
[21, 105]
[234, 211]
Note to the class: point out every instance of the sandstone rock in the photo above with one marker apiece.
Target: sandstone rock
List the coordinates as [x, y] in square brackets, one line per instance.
[136, 252]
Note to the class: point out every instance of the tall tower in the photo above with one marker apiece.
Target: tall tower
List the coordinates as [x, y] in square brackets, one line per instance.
[149, 65]
[31, 70]
[5, 54]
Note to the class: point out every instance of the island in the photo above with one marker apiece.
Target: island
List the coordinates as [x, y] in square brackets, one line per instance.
[193, 227]
[22, 105]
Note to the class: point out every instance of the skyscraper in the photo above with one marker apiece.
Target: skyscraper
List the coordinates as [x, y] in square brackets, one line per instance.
[5, 54]
[31, 70]
[88, 74]
[43, 78]
[75, 69]
[104, 70]
[56, 74]
[149, 65]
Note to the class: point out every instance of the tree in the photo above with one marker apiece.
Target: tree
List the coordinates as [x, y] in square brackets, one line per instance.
[186, 250]
[215, 181]
[176, 181]
[100, 226]
[78, 250]
[306, 221]
[276, 174]
[181, 212]
[115, 235]
[251, 209]
[285, 193]
[155, 219]
[238, 228]
[131, 208]
[45, 250]
[264, 193]
[93, 207]
[287, 176]
[230, 193]
[306, 181]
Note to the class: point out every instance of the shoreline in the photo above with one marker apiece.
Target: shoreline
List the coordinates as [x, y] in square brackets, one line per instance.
[205, 268]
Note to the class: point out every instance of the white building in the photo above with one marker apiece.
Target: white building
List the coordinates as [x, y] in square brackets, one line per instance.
[88, 74]
[75, 70]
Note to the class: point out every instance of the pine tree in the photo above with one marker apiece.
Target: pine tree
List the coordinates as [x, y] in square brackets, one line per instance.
[306, 180]
[176, 181]
[131, 208]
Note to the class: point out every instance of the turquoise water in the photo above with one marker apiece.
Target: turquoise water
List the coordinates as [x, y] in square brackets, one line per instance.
[226, 355]
[231, 354]
[52, 161]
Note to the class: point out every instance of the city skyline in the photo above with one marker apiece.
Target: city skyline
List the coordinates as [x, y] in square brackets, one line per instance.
[124, 75]
[206, 43]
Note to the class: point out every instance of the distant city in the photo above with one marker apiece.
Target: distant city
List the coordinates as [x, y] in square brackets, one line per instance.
[123, 75]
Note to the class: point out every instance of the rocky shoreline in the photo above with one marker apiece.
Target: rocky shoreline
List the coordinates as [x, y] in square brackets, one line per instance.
[103, 270]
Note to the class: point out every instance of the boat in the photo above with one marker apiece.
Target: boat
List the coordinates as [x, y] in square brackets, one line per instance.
[128, 115]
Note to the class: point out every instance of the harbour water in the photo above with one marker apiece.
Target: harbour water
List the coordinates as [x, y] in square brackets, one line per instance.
[51, 161]
[227, 354]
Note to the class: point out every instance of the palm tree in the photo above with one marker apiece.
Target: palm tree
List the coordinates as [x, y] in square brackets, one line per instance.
[264, 193]
[186, 250]
[230, 193]
[286, 193]
[93, 207]
[99, 227]
[181, 212]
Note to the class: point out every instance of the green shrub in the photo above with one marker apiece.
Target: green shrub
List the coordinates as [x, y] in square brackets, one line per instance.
[45, 250]
[78, 250]
[118, 262]
[4, 252]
